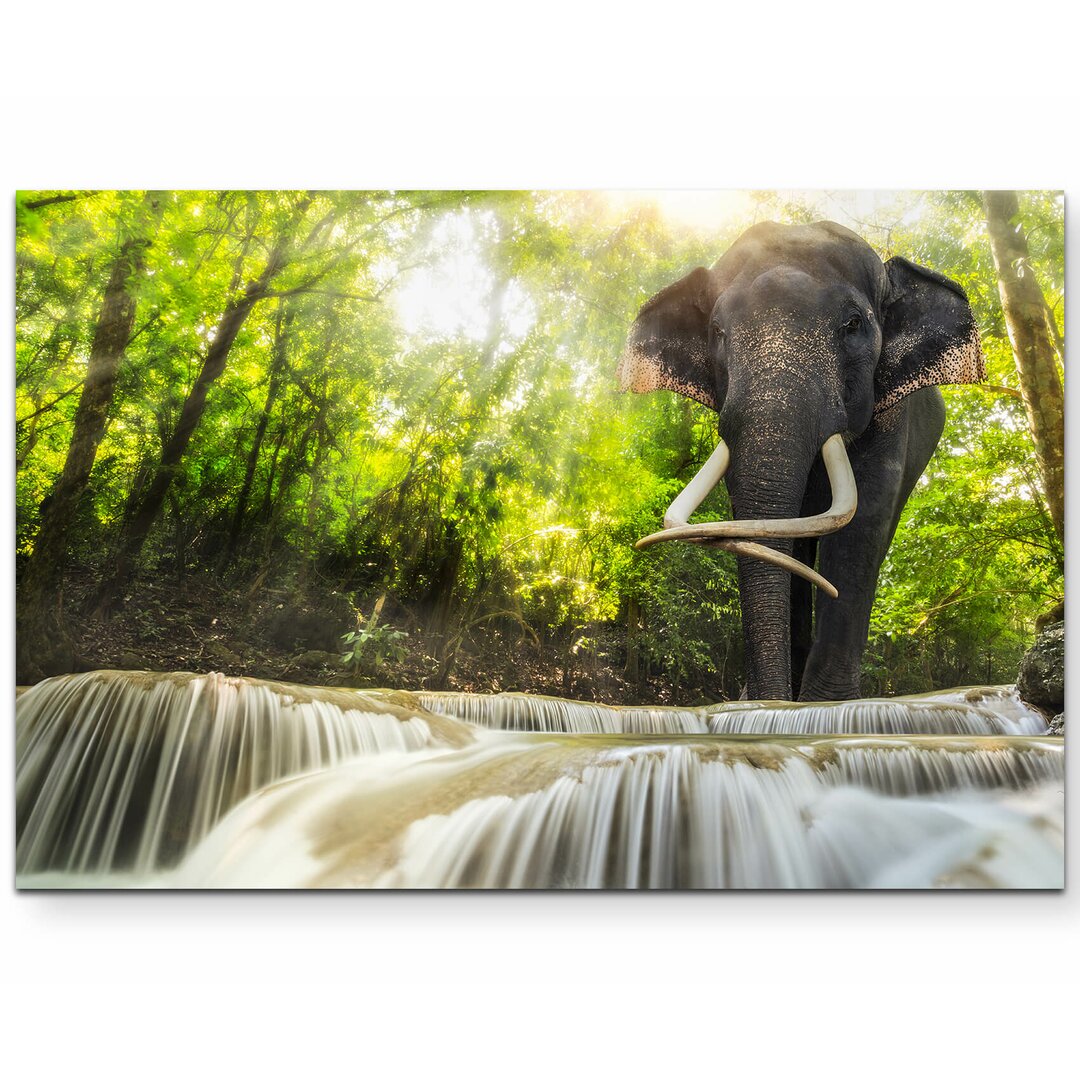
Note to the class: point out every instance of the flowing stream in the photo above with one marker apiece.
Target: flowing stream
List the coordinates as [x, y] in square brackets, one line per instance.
[187, 781]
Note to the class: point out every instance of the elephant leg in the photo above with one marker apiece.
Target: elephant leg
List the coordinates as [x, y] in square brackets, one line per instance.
[887, 461]
[802, 613]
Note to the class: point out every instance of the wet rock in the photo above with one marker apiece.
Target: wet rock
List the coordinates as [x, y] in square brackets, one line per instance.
[1057, 725]
[222, 654]
[1048, 618]
[1041, 680]
[318, 658]
[129, 661]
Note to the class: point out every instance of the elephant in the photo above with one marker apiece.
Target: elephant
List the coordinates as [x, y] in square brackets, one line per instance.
[823, 365]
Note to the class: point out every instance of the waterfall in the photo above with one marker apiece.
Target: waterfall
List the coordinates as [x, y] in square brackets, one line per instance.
[128, 770]
[530, 712]
[979, 711]
[189, 781]
[647, 821]
[533, 812]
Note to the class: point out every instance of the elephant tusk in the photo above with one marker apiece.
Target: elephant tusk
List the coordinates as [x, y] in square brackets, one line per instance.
[842, 510]
[729, 535]
[778, 558]
[693, 495]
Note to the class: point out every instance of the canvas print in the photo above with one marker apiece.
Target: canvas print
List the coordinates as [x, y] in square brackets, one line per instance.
[540, 539]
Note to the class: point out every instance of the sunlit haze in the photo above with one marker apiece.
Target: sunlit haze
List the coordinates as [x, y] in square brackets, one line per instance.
[451, 297]
[697, 209]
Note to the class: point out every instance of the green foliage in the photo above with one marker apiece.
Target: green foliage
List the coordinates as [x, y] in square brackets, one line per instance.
[375, 643]
[424, 406]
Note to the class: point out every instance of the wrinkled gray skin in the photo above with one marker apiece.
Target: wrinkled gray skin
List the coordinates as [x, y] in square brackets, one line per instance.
[795, 334]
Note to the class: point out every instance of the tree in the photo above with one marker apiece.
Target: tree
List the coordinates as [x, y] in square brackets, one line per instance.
[138, 525]
[1031, 332]
[43, 643]
[277, 377]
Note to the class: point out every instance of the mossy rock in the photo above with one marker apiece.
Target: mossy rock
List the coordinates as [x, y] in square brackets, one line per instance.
[1041, 679]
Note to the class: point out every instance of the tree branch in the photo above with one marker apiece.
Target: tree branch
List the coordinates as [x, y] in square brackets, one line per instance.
[304, 290]
[998, 389]
[52, 200]
[51, 405]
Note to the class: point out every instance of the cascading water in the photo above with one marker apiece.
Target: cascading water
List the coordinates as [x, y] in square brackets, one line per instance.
[989, 711]
[121, 770]
[528, 712]
[979, 711]
[206, 781]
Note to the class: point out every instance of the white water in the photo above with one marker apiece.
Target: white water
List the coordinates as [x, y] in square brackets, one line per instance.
[118, 770]
[977, 711]
[188, 781]
[529, 712]
[995, 710]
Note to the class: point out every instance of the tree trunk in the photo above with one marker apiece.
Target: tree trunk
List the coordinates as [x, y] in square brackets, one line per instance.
[138, 526]
[440, 593]
[43, 644]
[309, 544]
[633, 616]
[277, 371]
[271, 477]
[1033, 346]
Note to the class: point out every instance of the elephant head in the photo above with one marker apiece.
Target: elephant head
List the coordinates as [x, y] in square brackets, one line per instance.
[798, 337]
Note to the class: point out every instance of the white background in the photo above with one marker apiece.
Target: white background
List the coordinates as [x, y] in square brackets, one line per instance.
[557, 94]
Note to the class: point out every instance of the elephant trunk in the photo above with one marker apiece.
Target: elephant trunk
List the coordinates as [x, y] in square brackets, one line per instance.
[765, 596]
[767, 482]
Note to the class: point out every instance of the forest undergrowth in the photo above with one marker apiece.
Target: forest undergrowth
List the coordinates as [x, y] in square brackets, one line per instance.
[204, 626]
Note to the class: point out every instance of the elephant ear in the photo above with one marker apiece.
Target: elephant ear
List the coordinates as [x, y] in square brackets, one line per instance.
[667, 348]
[929, 337]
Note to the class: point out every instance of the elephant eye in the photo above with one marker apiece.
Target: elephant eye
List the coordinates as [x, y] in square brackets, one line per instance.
[853, 325]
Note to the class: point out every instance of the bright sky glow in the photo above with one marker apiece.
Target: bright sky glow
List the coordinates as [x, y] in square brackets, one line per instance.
[711, 210]
[451, 297]
[706, 210]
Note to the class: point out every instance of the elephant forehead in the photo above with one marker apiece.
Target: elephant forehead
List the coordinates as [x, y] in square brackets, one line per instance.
[782, 331]
[825, 251]
[787, 294]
